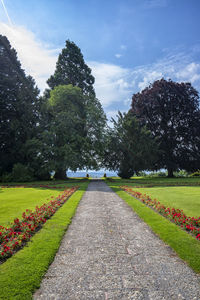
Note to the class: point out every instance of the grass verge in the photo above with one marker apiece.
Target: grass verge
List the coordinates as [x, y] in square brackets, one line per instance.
[21, 275]
[181, 197]
[186, 246]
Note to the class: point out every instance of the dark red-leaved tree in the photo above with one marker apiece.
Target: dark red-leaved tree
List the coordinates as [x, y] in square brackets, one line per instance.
[170, 110]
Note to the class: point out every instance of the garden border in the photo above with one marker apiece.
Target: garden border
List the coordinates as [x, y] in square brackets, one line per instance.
[21, 275]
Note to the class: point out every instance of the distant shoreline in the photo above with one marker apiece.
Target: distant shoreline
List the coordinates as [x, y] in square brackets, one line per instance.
[92, 174]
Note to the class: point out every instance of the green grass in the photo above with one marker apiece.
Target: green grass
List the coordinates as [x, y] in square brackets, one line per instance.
[14, 201]
[186, 198]
[185, 245]
[21, 274]
[158, 181]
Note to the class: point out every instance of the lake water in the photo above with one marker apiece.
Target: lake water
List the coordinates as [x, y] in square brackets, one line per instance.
[92, 174]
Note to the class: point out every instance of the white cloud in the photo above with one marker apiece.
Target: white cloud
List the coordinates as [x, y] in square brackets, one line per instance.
[36, 58]
[178, 67]
[191, 71]
[111, 82]
[118, 55]
[148, 78]
[123, 47]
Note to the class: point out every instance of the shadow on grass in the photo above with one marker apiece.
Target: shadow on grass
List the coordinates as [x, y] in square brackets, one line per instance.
[155, 182]
[45, 185]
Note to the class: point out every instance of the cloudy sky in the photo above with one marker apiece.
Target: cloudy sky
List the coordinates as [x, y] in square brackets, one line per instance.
[127, 43]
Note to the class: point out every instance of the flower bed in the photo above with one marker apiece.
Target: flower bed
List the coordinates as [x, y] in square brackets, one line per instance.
[190, 224]
[15, 237]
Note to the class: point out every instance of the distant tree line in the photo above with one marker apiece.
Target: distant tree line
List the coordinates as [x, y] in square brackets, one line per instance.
[66, 128]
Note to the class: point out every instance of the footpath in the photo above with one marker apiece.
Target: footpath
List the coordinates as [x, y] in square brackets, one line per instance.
[108, 253]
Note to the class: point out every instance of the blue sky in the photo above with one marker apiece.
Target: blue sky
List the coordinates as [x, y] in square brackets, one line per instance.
[127, 43]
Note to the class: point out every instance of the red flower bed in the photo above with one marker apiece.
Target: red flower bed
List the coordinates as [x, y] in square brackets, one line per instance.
[190, 224]
[14, 237]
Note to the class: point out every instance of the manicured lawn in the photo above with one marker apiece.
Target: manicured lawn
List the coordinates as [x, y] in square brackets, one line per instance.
[21, 274]
[158, 181]
[14, 201]
[186, 198]
[185, 245]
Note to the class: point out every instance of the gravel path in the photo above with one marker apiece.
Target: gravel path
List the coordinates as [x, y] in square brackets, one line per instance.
[108, 252]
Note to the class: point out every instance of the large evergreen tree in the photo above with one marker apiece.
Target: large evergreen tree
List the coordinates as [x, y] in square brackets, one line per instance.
[66, 129]
[72, 69]
[129, 148]
[170, 110]
[19, 107]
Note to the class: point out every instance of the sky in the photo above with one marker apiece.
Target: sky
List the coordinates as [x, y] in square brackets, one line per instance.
[128, 44]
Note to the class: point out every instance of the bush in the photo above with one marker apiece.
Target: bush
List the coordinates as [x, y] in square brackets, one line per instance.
[196, 174]
[157, 174]
[104, 175]
[181, 173]
[7, 177]
[21, 173]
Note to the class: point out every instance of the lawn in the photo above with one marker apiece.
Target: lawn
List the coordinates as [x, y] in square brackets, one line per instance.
[186, 198]
[14, 201]
[158, 181]
[185, 245]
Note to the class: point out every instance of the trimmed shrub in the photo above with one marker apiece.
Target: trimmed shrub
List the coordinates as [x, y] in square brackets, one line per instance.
[196, 174]
[21, 173]
[7, 177]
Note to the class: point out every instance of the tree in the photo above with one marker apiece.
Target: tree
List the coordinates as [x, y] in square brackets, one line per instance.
[130, 148]
[75, 132]
[66, 130]
[170, 111]
[19, 107]
[95, 133]
[71, 69]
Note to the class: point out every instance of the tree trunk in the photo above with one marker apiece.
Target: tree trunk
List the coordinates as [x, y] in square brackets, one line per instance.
[60, 174]
[170, 172]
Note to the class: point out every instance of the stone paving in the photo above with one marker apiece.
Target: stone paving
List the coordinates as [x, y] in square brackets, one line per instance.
[108, 253]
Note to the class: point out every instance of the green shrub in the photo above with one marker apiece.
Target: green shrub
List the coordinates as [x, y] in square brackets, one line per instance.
[7, 177]
[181, 173]
[21, 173]
[196, 174]
[157, 174]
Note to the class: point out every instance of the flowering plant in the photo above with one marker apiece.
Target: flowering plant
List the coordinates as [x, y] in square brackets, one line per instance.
[190, 224]
[14, 237]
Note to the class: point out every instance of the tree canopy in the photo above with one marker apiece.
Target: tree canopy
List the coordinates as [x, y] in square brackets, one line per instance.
[170, 110]
[72, 69]
[130, 147]
[19, 107]
[66, 106]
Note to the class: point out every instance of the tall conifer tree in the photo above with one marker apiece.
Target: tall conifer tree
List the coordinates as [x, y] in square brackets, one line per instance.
[19, 104]
[72, 69]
